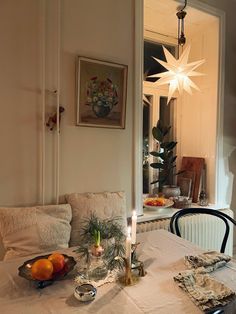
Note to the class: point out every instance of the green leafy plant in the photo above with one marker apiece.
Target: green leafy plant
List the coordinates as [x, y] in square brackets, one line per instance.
[95, 231]
[165, 156]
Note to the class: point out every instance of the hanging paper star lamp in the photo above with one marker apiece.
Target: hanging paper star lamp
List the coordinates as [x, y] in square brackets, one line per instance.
[179, 72]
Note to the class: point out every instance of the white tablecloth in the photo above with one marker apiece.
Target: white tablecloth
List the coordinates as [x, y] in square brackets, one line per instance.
[162, 254]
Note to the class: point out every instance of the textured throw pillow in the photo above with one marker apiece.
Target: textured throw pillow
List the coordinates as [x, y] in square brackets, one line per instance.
[103, 205]
[32, 230]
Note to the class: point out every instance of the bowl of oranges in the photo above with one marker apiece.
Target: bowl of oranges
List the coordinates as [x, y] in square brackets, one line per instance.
[46, 269]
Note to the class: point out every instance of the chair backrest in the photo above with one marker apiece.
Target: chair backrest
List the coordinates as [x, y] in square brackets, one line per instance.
[174, 226]
[215, 311]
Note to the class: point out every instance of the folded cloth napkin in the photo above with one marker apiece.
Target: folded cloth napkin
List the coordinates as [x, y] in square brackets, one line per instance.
[210, 260]
[205, 292]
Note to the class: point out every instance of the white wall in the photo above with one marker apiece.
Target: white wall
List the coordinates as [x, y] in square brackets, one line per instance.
[91, 159]
[19, 102]
[198, 112]
[227, 190]
[95, 159]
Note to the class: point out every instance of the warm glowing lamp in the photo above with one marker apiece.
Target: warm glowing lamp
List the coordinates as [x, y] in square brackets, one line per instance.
[179, 70]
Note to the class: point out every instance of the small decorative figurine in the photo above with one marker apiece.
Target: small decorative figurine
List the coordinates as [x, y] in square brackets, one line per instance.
[135, 263]
[52, 120]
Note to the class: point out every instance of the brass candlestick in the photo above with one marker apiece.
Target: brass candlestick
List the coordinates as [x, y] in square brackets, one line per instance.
[129, 277]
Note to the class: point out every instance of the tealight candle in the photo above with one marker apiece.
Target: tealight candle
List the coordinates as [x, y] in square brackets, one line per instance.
[134, 227]
[128, 245]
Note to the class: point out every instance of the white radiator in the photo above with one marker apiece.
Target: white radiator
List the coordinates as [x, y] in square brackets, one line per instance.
[204, 230]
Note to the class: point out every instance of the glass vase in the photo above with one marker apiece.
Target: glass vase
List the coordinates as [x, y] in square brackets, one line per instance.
[97, 269]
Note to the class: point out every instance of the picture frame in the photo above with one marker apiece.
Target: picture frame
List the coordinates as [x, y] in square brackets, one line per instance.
[101, 93]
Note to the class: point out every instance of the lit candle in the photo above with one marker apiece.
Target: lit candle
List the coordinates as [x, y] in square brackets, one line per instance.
[134, 226]
[128, 245]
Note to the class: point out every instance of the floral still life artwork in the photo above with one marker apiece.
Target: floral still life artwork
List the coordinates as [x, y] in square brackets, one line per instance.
[101, 93]
[102, 96]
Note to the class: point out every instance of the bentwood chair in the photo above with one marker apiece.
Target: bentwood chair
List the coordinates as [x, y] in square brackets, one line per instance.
[174, 225]
[216, 311]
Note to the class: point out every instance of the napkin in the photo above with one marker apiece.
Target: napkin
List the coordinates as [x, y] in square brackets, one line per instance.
[206, 292]
[210, 260]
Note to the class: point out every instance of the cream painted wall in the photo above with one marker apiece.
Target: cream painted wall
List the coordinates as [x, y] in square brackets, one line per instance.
[198, 113]
[91, 159]
[19, 102]
[228, 164]
[96, 159]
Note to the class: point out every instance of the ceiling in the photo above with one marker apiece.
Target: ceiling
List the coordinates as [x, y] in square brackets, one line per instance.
[160, 16]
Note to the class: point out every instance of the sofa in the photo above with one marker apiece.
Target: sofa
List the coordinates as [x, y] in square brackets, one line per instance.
[27, 231]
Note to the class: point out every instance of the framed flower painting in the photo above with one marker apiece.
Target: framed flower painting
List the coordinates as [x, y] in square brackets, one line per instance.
[101, 93]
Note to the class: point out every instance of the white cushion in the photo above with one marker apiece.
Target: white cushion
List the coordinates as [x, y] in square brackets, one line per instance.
[32, 230]
[104, 205]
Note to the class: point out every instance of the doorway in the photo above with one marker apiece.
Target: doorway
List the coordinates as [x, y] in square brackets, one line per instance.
[192, 113]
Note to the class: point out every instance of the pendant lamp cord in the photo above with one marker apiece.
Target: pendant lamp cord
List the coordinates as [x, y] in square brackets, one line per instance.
[185, 4]
[181, 38]
[178, 35]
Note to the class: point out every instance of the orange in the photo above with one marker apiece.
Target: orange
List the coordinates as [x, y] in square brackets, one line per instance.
[58, 261]
[42, 269]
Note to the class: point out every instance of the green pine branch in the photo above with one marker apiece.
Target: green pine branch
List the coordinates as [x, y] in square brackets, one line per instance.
[95, 230]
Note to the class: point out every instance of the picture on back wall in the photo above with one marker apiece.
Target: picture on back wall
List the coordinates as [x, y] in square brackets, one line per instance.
[101, 93]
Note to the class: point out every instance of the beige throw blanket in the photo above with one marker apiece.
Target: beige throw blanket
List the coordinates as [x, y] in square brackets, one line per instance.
[206, 292]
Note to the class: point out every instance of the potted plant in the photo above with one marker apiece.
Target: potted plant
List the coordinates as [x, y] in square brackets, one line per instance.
[165, 160]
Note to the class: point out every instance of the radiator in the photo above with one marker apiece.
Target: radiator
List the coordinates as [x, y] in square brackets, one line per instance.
[203, 230]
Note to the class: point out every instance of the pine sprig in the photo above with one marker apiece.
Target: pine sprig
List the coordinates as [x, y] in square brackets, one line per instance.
[107, 229]
[112, 251]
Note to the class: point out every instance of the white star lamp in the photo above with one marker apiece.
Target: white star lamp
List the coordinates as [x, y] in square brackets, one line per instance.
[179, 72]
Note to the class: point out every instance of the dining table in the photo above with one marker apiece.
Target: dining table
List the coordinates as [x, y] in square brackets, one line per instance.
[156, 293]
